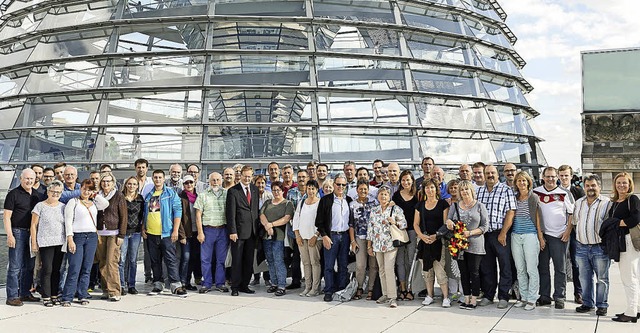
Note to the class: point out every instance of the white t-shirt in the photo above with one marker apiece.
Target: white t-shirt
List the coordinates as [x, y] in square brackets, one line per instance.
[555, 206]
[304, 220]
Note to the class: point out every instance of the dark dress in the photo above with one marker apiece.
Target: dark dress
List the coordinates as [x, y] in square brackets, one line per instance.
[430, 222]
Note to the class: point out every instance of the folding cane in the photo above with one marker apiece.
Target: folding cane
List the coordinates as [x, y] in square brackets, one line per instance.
[413, 265]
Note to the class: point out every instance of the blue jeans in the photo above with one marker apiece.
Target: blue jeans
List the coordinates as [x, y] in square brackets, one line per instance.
[339, 251]
[20, 271]
[525, 249]
[159, 249]
[274, 251]
[129, 259]
[80, 266]
[214, 247]
[592, 259]
[185, 254]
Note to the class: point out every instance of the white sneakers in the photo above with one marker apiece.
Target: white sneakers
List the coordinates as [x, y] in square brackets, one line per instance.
[446, 302]
[428, 300]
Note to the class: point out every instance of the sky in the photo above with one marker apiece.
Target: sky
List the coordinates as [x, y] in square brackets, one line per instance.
[551, 34]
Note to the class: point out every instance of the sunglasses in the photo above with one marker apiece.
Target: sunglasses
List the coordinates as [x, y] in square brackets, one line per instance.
[340, 184]
[188, 182]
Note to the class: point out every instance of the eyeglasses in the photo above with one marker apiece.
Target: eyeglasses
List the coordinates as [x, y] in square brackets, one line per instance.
[55, 192]
[340, 184]
[48, 176]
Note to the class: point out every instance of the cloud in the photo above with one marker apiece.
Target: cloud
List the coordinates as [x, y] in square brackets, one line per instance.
[551, 35]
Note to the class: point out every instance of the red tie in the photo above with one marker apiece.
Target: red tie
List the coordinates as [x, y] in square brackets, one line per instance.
[248, 195]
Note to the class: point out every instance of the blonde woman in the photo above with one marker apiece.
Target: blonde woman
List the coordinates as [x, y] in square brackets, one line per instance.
[626, 208]
[112, 229]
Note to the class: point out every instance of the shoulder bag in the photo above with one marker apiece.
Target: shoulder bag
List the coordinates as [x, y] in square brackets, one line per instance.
[400, 237]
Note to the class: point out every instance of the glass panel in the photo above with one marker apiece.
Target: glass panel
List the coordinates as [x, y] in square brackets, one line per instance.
[15, 57]
[521, 124]
[355, 10]
[502, 118]
[54, 145]
[256, 106]
[8, 116]
[11, 85]
[367, 79]
[513, 152]
[75, 14]
[361, 144]
[157, 71]
[153, 143]
[459, 114]
[453, 151]
[260, 36]
[355, 63]
[487, 33]
[152, 107]
[260, 69]
[21, 25]
[261, 8]
[64, 77]
[57, 114]
[480, 7]
[8, 141]
[162, 8]
[490, 59]
[506, 94]
[159, 38]
[347, 39]
[427, 17]
[438, 79]
[363, 109]
[428, 47]
[609, 80]
[232, 142]
[71, 45]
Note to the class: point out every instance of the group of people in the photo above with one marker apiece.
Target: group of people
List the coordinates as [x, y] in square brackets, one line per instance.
[309, 226]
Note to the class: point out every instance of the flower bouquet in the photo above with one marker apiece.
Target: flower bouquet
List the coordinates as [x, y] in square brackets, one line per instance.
[458, 242]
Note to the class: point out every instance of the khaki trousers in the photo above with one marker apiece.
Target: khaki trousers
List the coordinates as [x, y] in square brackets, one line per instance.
[362, 258]
[386, 267]
[108, 255]
[310, 256]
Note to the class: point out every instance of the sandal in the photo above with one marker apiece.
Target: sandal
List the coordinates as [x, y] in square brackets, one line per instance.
[358, 294]
[408, 296]
[47, 302]
[83, 301]
[55, 300]
[369, 295]
[65, 304]
[400, 296]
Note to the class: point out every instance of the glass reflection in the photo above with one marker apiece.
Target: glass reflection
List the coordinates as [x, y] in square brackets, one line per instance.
[55, 145]
[174, 143]
[140, 108]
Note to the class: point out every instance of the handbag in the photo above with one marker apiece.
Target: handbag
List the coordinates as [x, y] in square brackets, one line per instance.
[400, 237]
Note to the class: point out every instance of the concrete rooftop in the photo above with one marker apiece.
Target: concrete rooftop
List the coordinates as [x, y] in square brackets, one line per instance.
[262, 312]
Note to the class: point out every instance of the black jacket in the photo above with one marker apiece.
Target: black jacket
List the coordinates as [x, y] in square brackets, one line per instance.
[323, 217]
[242, 217]
[612, 238]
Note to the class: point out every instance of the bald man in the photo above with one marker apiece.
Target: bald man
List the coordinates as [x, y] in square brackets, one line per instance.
[71, 187]
[438, 174]
[393, 170]
[17, 221]
[212, 233]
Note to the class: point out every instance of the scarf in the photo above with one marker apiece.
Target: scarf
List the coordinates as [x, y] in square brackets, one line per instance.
[109, 195]
[191, 196]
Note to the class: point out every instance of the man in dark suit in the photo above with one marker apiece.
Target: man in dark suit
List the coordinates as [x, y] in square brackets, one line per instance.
[242, 223]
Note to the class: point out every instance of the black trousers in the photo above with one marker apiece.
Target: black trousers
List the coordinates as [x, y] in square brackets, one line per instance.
[51, 257]
[242, 252]
[470, 273]
[489, 270]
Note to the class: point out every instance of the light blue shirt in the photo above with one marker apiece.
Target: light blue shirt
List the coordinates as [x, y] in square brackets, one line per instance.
[340, 215]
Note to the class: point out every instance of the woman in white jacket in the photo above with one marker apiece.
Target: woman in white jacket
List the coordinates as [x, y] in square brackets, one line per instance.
[304, 226]
[80, 216]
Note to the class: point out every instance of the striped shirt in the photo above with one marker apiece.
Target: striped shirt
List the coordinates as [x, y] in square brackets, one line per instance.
[498, 202]
[587, 219]
[522, 222]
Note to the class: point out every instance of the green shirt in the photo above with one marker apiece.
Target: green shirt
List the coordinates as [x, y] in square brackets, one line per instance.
[212, 204]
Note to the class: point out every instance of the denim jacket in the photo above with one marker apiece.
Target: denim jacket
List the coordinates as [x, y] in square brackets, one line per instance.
[170, 209]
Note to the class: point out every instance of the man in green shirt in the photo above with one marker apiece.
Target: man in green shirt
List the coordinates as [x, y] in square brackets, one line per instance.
[212, 233]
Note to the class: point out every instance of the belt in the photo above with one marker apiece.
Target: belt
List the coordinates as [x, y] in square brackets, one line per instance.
[216, 227]
[339, 232]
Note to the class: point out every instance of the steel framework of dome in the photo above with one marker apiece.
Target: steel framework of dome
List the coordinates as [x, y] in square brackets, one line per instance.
[250, 81]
